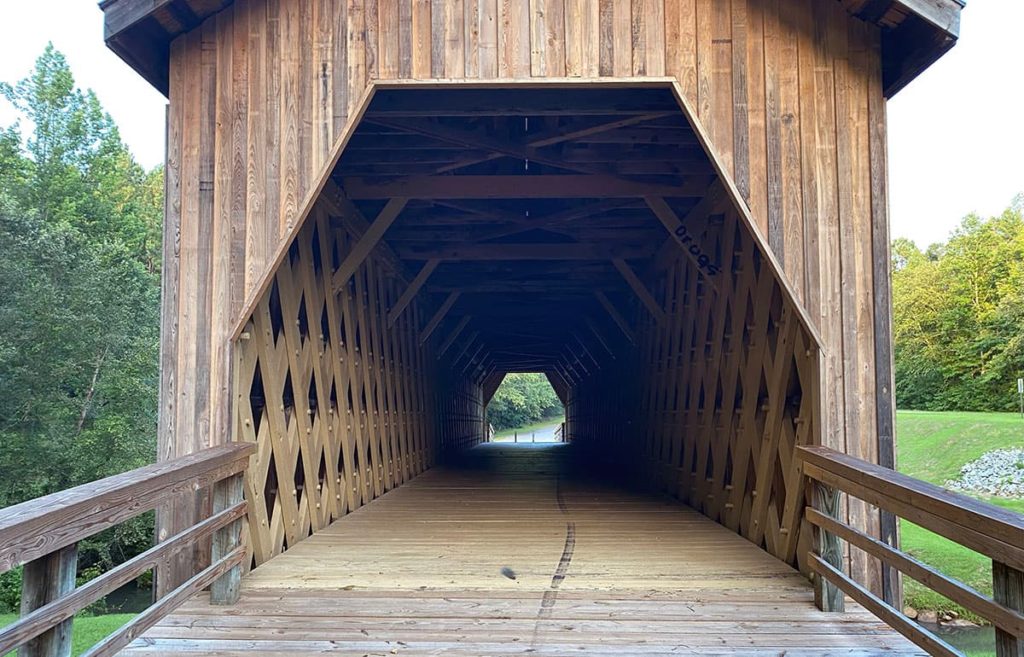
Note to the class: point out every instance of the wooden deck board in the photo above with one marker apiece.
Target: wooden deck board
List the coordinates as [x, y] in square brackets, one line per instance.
[419, 572]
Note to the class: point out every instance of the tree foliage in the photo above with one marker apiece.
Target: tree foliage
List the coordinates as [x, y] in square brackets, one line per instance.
[522, 399]
[79, 300]
[958, 319]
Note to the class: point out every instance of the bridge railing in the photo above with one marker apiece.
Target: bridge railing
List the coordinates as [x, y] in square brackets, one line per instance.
[990, 530]
[43, 535]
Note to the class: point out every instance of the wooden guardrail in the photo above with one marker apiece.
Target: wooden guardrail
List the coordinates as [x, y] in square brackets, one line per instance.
[43, 535]
[995, 532]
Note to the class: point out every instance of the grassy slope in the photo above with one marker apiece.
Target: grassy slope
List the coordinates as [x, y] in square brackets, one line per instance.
[933, 447]
[87, 631]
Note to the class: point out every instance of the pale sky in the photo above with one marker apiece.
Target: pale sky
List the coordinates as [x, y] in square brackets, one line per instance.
[956, 135]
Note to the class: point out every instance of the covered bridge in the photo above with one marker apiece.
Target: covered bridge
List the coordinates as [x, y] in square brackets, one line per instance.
[376, 209]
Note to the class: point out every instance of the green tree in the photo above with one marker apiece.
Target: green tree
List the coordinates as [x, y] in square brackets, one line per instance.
[79, 300]
[522, 399]
[958, 311]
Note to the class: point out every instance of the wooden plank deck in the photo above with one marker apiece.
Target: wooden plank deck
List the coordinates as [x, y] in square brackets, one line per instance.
[597, 570]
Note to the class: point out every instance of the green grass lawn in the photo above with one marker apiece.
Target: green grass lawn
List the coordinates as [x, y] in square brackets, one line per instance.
[524, 432]
[934, 446]
[87, 630]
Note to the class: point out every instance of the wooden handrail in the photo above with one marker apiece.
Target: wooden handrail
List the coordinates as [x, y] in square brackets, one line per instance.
[43, 534]
[993, 531]
[41, 526]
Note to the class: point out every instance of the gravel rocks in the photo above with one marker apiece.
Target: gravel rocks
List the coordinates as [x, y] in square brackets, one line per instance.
[1000, 473]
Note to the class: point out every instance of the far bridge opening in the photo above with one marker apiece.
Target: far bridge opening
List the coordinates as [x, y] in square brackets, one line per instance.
[524, 407]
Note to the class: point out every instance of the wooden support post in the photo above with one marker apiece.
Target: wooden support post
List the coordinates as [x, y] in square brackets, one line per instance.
[44, 580]
[365, 245]
[827, 596]
[438, 316]
[640, 289]
[227, 493]
[619, 320]
[411, 291]
[1008, 590]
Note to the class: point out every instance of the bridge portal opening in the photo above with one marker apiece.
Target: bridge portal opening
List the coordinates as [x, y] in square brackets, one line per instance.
[463, 232]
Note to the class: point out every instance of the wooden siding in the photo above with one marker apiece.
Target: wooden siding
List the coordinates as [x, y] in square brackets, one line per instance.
[789, 91]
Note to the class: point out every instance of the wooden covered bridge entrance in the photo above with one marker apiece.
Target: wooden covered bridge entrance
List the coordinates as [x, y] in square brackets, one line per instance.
[375, 210]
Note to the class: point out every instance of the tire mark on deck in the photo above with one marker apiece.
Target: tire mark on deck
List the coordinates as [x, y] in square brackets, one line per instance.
[547, 603]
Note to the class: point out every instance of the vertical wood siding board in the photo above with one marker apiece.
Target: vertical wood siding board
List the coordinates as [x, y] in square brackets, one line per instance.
[573, 26]
[756, 101]
[655, 24]
[674, 44]
[405, 42]
[187, 320]
[514, 38]
[868, 448]
[538, 38]
[221, 315]
[606, 27]
[454, 43]
[844, 89]
[170, 267]
[705, 67]
[438, 35]
[773, 145]
[289, 63]
[811, 212]
[638, 38]
[789, 126]
[884, 387]
[239, 157]
[169, 515]
[622, 36]
[421, 41]
[275, 113]
[256, 147]
[206, 233]
[340, 83]
[591, 35]
[688, 50]
[722, 81]
[323, 94]
[371, 42]
[356, 14]
[188, 315]
[740, 82]
[556, 38]
[471, 37]
[488, 38]
[826, 176]
[310, 160]
[388, 38]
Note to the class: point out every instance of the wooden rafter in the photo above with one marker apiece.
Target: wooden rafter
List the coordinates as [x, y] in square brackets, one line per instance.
[492, 252]
[557, 136]
[411, 291]
[619, 320]
[432, 325]
[370, 238]
[514, 186]
[640, 289]
[453, 335]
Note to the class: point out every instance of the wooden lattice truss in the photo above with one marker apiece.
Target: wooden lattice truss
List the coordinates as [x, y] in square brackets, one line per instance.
[338, 403]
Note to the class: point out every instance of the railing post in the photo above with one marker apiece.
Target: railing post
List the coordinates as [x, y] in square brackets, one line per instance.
[1008, 590]
[827, 596]
[44, 580]
[227, 493]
